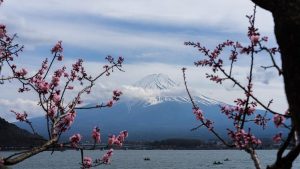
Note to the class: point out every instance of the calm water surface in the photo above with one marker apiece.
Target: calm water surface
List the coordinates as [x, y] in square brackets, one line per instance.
[159, 159]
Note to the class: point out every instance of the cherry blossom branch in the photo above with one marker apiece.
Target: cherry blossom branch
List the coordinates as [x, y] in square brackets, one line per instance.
[235, 82]
[249, 85]
[28, 154]
[87, 162]
[245, 108]
[196, 108]
[53, 103]
[22, 117]
[254, 157]
[270, 52]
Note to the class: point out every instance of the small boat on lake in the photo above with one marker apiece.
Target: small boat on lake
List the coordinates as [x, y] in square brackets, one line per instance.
[217, 163]
[147, 159]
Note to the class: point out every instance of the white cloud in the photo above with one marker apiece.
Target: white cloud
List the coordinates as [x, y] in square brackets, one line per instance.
[19, 105]
[176, 12]
[41, 23]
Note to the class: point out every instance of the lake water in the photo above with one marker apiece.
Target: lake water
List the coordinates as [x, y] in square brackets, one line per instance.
[159, 159]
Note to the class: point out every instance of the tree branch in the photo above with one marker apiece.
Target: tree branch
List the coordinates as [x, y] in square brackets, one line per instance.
[27, 154]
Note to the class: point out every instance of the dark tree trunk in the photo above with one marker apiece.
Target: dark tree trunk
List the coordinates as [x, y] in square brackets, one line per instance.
[286, 14]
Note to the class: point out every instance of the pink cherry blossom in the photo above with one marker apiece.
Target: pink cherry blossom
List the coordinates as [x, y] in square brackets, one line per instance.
[110, 103]
[75, 139]
[51, 112]
[20, 116]
[111, 139]
[65, 122]
[106, 158]
[209, 124]
[199, 114]
[96, 135]
[243, 139]
[277, 138]
[87, 162]
[21, 73]
[55, 81]
[254, 39]
[60, 57]
[2, 30]
[57, 48]
[226, 109]
[278, 120]
[56, 98]
[121, 137]
[42, 85]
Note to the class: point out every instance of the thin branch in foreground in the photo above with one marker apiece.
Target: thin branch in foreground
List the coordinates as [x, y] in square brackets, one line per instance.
[196, 107]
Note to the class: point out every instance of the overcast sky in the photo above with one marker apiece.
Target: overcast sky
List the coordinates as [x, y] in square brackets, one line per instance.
[148, 33]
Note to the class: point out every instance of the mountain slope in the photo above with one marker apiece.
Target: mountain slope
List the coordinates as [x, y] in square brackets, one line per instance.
[13, 136]
[169, 116]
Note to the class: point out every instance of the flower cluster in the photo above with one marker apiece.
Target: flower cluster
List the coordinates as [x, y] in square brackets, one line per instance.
[278, 120]
[51, 86]
[65, 122]
[21, 73]
[111, 60]
[57, 48]
[42, 86]
[113, 140]
[2, 31]
[213, 61]
[199, 116]
[106, 158]
[254, 39]
[241, 103]
[78, 71]
[243, 108]
[96, 135]
[20, 116]
[261, 120]
[227, 110]
[115, 98]
[87, 162]
[198, 113]
[278, 137]
[51, 111]
[75, 139]
[243, 139]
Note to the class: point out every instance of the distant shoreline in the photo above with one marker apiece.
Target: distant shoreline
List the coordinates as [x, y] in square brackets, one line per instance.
[149, 148]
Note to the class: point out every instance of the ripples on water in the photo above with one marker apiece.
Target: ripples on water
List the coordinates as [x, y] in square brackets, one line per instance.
[159, 159]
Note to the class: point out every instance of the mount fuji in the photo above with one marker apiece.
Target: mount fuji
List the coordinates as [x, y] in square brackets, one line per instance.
[161, 115]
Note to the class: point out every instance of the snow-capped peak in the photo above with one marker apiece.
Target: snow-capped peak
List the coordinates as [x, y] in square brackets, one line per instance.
[156, 81]
[159, 88]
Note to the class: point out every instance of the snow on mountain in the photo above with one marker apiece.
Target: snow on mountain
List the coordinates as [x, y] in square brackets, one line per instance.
[166, 114]
[156, 81]
[166, 90]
